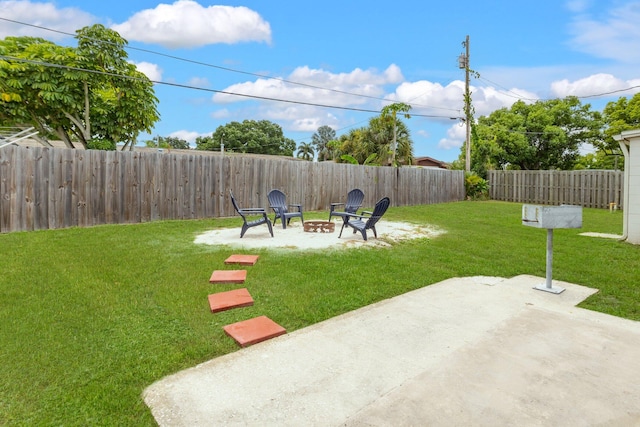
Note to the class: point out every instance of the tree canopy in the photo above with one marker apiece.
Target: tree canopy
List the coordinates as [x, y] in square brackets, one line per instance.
[542, 135]
[321, 139]
[90, 94]
[305, 151]
[248, 136]
[385, 141]
[390, 112]
[167, 142]
[620, 115]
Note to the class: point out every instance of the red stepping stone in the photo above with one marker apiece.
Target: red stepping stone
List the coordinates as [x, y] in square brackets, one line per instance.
[254, 330]
[228, 276]
[232, 299]
[242, 259]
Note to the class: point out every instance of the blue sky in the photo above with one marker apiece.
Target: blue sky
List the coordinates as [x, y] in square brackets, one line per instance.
[388, 52]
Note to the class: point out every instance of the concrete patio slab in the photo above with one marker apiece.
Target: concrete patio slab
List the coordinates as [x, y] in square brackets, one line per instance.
[480, 351]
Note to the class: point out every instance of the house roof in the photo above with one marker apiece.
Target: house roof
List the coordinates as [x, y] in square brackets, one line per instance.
[430, 160]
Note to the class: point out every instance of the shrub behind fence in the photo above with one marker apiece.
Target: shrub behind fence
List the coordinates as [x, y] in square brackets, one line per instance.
[587, 188]
[43, 188]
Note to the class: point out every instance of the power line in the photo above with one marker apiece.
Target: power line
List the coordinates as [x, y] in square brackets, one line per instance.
[515, 95]
[609, 93]
[191, 61]
[596, 95]
[263, 98]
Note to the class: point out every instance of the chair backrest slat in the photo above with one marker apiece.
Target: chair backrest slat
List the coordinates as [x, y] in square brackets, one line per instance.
[235, 204]
[277, 199]
[379, 210]
[355, 198]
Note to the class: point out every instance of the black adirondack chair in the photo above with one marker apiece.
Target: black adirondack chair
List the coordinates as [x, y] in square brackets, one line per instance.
[366, 220]
[244, 213]
[353, 203]
[278, 202]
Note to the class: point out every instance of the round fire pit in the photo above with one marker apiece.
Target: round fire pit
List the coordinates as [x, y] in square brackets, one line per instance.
[319, 226]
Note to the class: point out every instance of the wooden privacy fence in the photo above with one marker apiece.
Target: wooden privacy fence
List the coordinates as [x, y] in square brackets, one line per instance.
[42, 188]
[587, 188]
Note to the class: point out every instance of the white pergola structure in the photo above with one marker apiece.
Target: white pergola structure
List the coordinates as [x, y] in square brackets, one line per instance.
[10, 135]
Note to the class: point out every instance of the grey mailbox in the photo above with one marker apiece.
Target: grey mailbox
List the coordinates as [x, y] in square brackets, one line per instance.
[551, 217]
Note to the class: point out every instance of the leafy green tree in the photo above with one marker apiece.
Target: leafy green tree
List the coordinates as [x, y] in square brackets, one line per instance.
[250, 136]
[305, 151]
[167, 142]
[89, 94]
[320, 141]
[369, 161]
[601, 160]
[621, 115]
[29, 88]
[542, 135]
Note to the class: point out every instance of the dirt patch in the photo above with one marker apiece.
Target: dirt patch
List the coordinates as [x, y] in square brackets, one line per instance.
[295, 238]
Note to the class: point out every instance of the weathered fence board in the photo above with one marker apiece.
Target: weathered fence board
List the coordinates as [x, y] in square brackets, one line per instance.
[587, 188]
[43, 188]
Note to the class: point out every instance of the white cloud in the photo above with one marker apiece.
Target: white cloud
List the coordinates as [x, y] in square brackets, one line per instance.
[153, 71]
[295, 116]
[427, 98]
[456, 135]
[616, 36]
[431, 98]
[592, 85]
[46, 15]
[188, 136]
[448, 101]
[186, 23]
[488, 99]
[300, 118]
[363, 82]
[222, 113]
[200, 82]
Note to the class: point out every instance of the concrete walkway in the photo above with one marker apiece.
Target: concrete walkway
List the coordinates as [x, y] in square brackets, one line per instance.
[478, 351]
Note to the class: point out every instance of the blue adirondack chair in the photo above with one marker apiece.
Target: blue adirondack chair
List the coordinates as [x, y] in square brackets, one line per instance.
[353, 203]
[244, 213]
[366, 220]
[278, 202]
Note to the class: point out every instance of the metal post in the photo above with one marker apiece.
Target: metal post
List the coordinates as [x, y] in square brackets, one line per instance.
[549, 257]
[548, 286]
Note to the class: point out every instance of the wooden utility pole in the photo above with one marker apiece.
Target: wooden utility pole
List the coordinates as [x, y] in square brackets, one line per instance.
[467, 108]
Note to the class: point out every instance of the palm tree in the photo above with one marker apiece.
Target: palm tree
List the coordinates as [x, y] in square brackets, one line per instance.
[390, 111]
[383, 132]
[305, 151]
[320, 139]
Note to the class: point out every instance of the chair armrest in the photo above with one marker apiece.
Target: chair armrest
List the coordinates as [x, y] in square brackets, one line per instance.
[334, 206]
[252, 210]
[360, 215]
[296, 205]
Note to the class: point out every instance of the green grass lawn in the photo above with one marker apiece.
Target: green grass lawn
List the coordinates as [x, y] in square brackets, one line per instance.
[90, 317]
